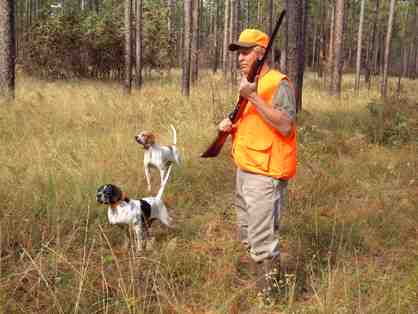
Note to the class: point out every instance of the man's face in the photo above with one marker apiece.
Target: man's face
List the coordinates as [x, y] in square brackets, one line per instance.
[246, 57]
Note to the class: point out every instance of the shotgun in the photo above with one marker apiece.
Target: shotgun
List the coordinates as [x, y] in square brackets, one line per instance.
[216, 146]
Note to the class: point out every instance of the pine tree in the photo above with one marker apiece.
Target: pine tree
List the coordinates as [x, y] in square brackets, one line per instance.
[7, 49]
[185, 86]
[338, 48]
[384, 81]
[128, 46]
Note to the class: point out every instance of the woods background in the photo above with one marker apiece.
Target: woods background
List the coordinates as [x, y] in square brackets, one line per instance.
[105, 39]
[79, 79]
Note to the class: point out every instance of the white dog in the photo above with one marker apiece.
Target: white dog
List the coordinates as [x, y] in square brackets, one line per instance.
[137, 213]
[158, 156]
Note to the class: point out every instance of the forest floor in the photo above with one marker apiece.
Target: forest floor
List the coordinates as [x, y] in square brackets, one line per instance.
[349, 232]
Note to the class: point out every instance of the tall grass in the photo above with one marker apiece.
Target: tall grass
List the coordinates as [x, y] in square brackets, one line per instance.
[349, 231]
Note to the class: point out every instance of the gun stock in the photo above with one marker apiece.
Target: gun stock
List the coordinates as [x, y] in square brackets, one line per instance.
[215, 148]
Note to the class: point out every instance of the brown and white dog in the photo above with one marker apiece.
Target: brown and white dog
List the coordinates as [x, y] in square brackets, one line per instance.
[158, 156]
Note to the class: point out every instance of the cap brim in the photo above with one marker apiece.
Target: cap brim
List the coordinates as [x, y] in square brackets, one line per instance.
[235, 46]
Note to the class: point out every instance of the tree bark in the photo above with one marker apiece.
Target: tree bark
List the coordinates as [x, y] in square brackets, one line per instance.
[338, 48]
[416, 40]
[185, 86]
[322, 40]
[139, 37]
[247, 14]
[283, 52]
[259, 13]
[359, 46]
[314, 40]
[233, 58]
[215, 38]
[195, 42]
[372, 46]
[384, 87]
[295, 48]
[171, 31]
[225, 57]
[128, 46]
[7, 49]
[270, 14]
[331, 51]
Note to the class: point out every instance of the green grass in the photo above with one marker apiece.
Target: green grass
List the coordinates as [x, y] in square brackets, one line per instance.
[349, 230]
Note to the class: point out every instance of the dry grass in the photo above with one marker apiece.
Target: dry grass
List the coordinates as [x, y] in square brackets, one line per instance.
[350, 230]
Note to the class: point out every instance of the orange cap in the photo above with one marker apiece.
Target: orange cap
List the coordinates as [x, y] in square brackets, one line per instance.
[250, 38]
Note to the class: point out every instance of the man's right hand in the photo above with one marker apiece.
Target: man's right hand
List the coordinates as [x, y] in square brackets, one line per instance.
[225, 125]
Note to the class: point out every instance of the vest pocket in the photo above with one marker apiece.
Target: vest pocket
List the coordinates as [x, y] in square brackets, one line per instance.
[257, 155]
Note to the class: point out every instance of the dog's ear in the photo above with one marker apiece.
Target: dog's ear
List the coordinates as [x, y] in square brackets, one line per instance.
[151, 139]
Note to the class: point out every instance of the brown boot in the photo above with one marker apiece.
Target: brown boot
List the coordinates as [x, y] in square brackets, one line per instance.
[268, 271]
[246, 266]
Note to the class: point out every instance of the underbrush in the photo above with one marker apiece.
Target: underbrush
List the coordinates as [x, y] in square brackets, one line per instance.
[348, 235]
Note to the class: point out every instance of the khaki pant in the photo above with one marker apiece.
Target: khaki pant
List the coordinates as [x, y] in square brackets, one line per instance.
[258, 202]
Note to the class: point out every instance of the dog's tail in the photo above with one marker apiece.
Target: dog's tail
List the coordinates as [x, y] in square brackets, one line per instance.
[176, 154]
[174, 134]
[161, 190]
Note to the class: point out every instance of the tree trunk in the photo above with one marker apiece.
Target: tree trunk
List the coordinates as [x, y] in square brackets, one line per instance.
[96, 6]
[225, 57]
[387, 50]
[233, 37]
[403, 65]
[301, 53]
[128, 46]
[314, 40]
[338, 48]
[411, 61]
[240, 23]
[185, 86]
[295, 48]
[195, 42]
[322, 39]
[171, 31]
[247, 14]
[372, 46]
[331, 51]
[215, 38]
[270, 13]
[27, 13]
[404, 53]
[359, 46]
[259, 13]
[416, 40]
[139, 37]
[7, 49]
[350, 9]
[283, 52]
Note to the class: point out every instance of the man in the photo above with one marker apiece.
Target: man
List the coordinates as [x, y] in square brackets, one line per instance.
[264, 151]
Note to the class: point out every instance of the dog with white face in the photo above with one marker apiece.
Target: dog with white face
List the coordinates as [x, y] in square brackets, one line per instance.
[137, 213]
[158, 156]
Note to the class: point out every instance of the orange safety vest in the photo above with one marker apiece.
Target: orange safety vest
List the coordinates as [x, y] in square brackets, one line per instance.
[259, 148]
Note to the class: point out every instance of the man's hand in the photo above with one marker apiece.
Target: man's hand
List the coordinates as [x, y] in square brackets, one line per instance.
[247, 89]
[225, 125]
